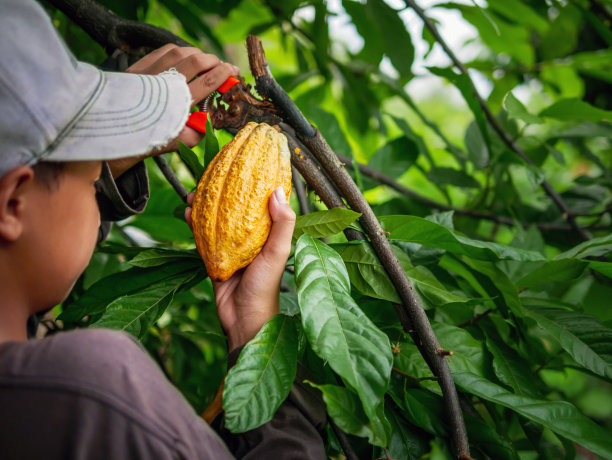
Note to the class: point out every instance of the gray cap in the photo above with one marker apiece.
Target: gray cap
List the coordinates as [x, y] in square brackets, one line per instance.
[55, 108]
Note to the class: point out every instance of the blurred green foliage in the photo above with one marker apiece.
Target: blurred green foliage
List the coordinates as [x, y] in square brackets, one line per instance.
[530, 329]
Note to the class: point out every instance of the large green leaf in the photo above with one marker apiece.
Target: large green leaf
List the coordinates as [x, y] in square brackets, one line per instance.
[508, 366]
[104, 291]
[154, 257]
[392, 38]
[561, 417]
[450, 176]
[407, 441]
[262, 377]
[324, 223]
[345, 408]
[516, 109]
[586, 340]
[501, 282]
[191, 160]
[369, 277]
[561, 270]
[338, 331]
[395, 157]
[135, 313]
[595, 247]
[575, 109]
[419, 230]
[462, 83]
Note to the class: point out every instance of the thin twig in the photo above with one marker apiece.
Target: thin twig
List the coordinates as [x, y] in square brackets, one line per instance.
[267, 85]
[506, 138]
[475, 319]
[300, 191]
[171, 177]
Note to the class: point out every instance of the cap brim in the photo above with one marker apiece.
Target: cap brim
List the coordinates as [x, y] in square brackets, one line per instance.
[127, 115]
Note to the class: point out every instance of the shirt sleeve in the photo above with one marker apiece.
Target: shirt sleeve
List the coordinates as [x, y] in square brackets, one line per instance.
[296, 432]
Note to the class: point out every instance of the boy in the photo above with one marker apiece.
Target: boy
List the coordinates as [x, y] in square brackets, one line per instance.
[95, 394]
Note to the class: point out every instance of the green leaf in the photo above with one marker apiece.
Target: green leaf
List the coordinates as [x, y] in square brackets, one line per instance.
[369, 277]
[345, 408]
[324, 223]
[468, 352]
[508, 366]
[595, 247]
[586, 340]
[211, 144]
[262, 377]
[575, 109]
[135, 313]
[191, 161]
[393, 39]
[104, 291]
[559, 416]
[451, 176]
[462, 82]
[329, 126]
[602, 267]
[501, 282]
[154, 257]
[395, 157]
[556, 271]
[516, 109]
[419, 230]
[338, 331]
[406, 441]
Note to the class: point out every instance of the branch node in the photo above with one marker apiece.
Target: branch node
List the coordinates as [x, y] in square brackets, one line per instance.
[443, 352]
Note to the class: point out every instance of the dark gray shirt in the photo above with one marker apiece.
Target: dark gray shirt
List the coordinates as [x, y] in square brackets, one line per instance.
[94, 394]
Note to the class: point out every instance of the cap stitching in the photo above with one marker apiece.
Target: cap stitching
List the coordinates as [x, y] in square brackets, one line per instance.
[66, 131]
[138, 104]
[83, 122]
[147, 116]
[118, 133]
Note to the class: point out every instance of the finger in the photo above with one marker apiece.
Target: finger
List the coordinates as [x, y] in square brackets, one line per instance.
[278, 246]
[196, 64]
[169, 59]
[188, 218]
[211, 80]
[143, 63]
[190, 198]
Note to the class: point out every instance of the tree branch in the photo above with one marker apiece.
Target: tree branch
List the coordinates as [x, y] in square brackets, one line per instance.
[171, 177]
[114, 32]
[310, 137]
[506, 138]
[300, 191]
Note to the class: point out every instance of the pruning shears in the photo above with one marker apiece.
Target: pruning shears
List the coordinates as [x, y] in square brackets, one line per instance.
[197, 119]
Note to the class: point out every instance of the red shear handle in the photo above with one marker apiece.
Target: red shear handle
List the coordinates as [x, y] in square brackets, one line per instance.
[197, 120]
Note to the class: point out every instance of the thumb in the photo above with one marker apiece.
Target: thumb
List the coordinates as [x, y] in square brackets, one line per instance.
[278, 246]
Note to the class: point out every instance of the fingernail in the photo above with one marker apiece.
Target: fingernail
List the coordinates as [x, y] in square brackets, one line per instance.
[280, 195]
[236, 69]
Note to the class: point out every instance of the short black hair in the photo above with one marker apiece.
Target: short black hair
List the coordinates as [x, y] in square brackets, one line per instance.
[49, 172]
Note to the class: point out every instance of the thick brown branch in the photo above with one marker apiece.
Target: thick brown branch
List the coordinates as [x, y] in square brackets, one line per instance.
[112, 31]
[499, 129]
[266, 85]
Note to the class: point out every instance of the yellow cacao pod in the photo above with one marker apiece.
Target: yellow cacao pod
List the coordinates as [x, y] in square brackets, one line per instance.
[231, 221]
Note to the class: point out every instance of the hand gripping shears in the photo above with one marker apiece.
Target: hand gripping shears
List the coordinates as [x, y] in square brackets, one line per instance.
[197, 119]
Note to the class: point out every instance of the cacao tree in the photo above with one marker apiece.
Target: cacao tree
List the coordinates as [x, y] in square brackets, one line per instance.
[490, 196]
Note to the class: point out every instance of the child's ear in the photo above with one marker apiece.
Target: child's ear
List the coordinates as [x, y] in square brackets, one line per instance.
[13, 188]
